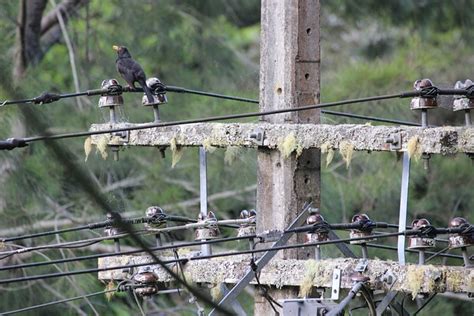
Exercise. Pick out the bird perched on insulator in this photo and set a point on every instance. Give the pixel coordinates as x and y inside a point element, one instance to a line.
<point>131,71</point>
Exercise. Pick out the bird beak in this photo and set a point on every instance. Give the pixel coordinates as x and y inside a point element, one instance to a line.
<point>115,47</point>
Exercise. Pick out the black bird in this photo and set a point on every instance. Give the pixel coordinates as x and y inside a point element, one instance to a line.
<point>131,71</point>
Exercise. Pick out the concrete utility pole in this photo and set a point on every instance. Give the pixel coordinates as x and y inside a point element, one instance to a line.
<point>289,77</point>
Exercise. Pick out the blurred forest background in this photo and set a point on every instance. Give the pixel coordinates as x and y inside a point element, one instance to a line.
<point>369,47</point>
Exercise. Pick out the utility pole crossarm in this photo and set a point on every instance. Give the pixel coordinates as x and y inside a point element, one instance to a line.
<point>436,140</point>
<point>292,272</point>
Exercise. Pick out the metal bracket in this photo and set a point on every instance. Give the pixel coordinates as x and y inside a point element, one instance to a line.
<point>336,284</point>
<point>306,307</point>
<point>120,138</point>
<point>270,235</point>
<point>395,141</point>
<point>257,136</point>
<point>362,265</point>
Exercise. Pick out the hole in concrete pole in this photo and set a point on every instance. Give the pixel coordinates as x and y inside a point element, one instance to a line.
<point>279,91</point>
<point>306,76</point>
<point>308,31</point>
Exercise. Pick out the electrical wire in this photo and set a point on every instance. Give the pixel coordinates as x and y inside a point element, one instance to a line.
<point>224,254</point>
<point>369,118</point>
<point>71,244</point>
<point>47,233</point>
<point>66,300</point>
<point>437,254</point>
<point>103,224</point>
<point>184,260</point>
<point>117,289</point>
<point>22,142</point>
<point>49,97</point>
<point>413,250</point>
<point>81,243</point>
<point>90,241</point>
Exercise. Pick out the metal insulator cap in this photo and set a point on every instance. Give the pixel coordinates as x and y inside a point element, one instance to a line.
<point>157,215</point>
<point>154,83</point>
<point>360,233</point>
<point>110,100</point>
<point>422,83</point>
<point>249,215</point>
<point>415,242</point>
<point>314,218</point>
<point>457,221</point>
<point>154,211</point>
<point>461,102</point>
<point>420,103</point>
<point>244,214</point>
<point>419,223</point>
<point>460,240</point>
<point>145,278</point>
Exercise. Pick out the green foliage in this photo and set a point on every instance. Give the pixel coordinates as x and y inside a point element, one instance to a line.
<point>368,48</point>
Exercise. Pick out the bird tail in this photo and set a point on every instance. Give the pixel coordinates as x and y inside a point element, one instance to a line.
<point>147,91</point>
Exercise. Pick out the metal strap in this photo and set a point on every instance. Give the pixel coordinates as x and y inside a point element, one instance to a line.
<point>402,220</point>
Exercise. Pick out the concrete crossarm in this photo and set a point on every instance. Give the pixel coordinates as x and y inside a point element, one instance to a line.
<point>410,278</point>
<point>436,140</point>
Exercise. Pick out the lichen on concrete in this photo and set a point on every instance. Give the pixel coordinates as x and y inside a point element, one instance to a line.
<point>436,140</point>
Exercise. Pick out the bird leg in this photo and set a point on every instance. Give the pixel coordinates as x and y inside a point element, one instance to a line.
<point>131,86</point>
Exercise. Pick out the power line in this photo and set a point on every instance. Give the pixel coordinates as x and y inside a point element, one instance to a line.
<point>22,142</point>
<point>103,224</point>
<point>50,97</point>
<point>119,288</point>
<point>307,228</point>
<point>111,223</point>
<point>90,241</point>
<point>370,118</point>
<point>440,254</point>
<point>224,254</point>
<point>66,300</point>
<point>129,252</point>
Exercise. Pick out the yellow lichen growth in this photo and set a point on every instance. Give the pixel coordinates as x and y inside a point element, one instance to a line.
<point>187,277</point>
<point>102,145</point>
<point>368,124</point>
<point>288,145</point>
<point>176,152</point>
<point>216,292</point>
<point>2,245</point>
<point>311,272</point>
<point>299,150</point>
<point>109,287</point>
<point>414,148</point>
<point>231,154</point>
<point>207,144</point>
<point>327,149</point>
<point>456,280</point>
<point>346,149</point>
<point>415,276</point>
<point>183,251</point>
<point>87,147</point>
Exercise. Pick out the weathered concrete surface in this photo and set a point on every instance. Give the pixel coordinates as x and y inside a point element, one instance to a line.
<point>437,140</point>
<point>290,272</point>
